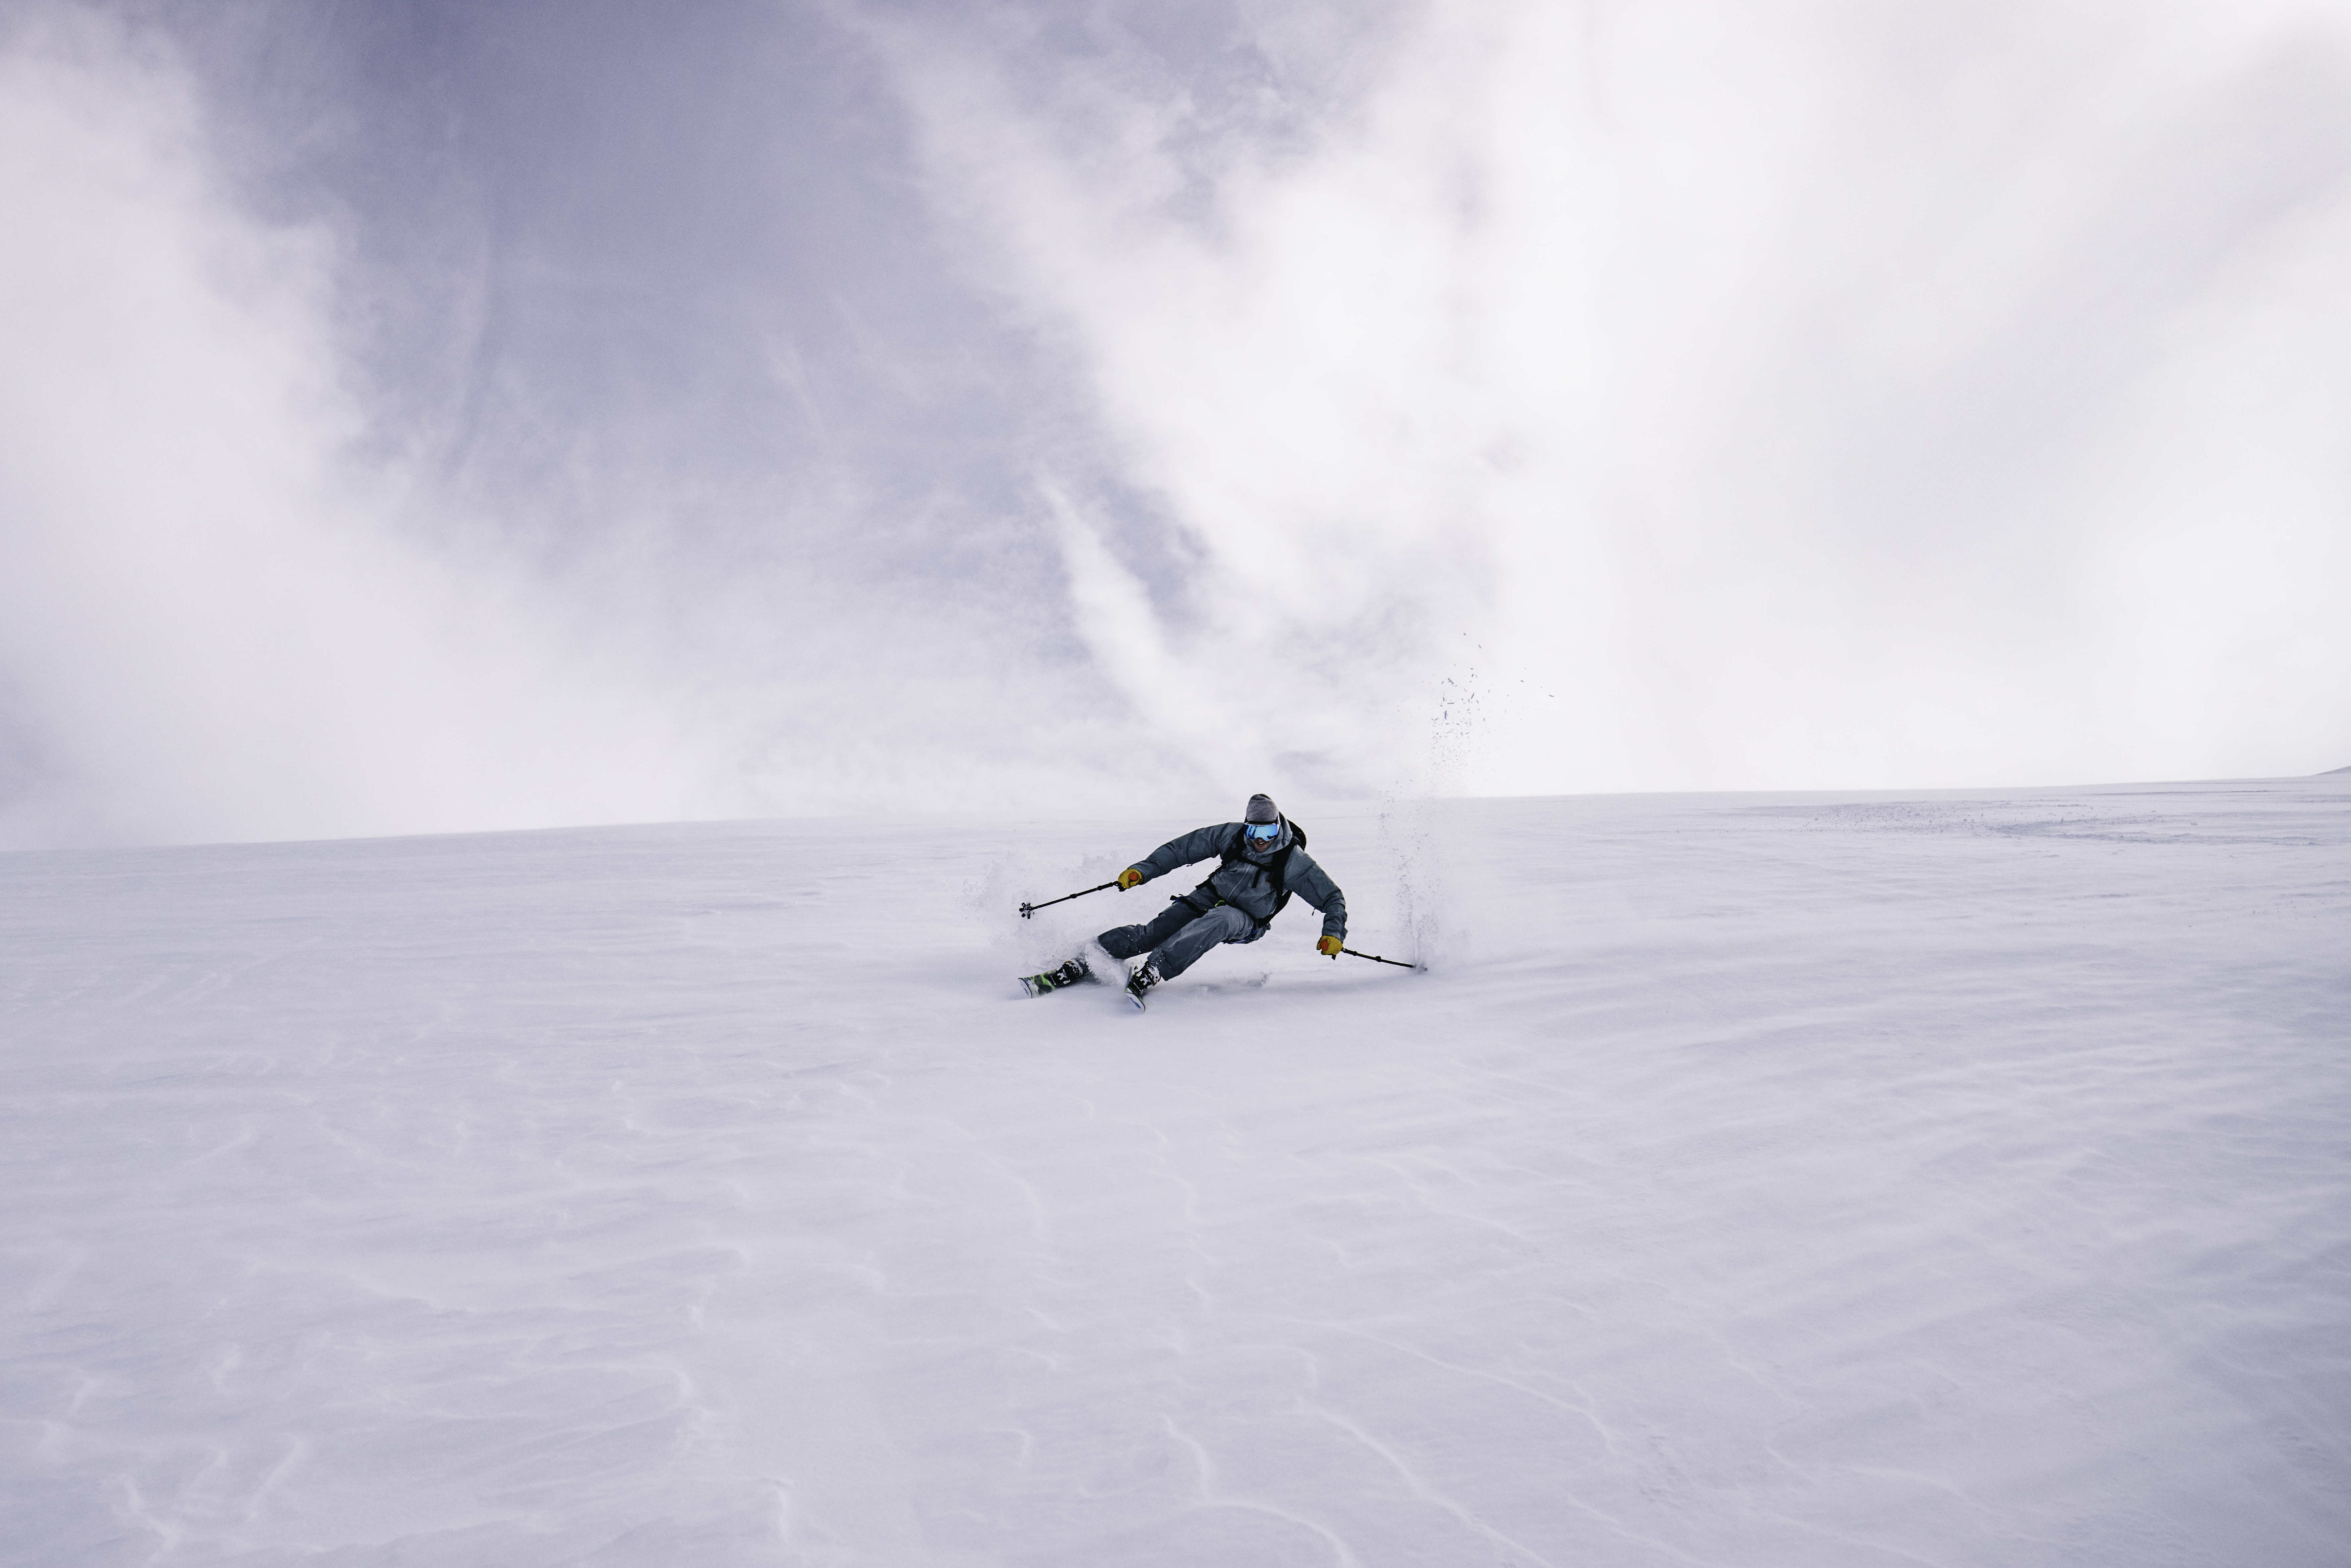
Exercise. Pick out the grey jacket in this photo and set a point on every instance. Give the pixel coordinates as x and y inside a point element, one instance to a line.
<point>1247,883</point>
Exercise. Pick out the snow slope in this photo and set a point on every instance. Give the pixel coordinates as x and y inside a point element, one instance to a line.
<point>1958,1179</point>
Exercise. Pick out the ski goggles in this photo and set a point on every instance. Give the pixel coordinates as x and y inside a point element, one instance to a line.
<point>1261,833</point>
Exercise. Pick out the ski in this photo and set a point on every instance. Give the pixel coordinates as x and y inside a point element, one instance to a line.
<point>1069,973</point>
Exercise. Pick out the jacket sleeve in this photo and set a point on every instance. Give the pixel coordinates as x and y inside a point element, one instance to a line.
<point>1200,844</point>
<point>1316,888</point>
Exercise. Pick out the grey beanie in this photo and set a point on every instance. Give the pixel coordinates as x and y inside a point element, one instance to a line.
<point>1260,809</point>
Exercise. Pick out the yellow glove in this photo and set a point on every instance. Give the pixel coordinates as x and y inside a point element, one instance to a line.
<point>1131,877</point>
<point>1328,945</point>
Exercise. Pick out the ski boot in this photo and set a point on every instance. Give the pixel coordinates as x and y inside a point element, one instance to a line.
<point>1145,976</point>
<point>1069,973</point>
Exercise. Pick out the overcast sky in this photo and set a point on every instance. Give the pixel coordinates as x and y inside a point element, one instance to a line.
<point>425,416</point>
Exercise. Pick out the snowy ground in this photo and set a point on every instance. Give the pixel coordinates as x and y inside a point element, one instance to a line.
<point>1960,1179</point>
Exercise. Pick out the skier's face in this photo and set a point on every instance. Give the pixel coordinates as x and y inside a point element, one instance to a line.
<point>1260,836</point>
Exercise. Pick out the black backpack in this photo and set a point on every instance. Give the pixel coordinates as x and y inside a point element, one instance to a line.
<point>1279,866</point>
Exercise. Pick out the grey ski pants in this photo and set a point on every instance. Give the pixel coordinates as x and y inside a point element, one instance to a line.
<point>1179,936</point>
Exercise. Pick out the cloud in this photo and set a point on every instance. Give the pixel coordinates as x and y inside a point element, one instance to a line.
<point>213,620</point>
<point>915,408</point>
<point>266,578</point>
<point>1805,394</point>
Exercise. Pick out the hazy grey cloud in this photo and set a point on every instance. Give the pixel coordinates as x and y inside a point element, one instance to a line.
<point>432,416</point>
<point>514,498</point>
<point>1793,394</point>
<point>209,621</point>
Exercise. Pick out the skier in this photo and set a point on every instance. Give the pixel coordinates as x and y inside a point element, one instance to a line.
<point>1264,861</point>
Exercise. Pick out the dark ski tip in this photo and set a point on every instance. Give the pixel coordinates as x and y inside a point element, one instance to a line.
<point>1069,973</point>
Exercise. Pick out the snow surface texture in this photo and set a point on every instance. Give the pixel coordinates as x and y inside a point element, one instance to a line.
<point>1755,1180</point>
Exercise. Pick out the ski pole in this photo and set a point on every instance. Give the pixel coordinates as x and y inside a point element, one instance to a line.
<point>1376,959</point>
<point>1028,909</point>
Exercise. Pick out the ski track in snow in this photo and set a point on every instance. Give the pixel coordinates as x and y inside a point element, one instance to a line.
<point>1951,1179</point>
